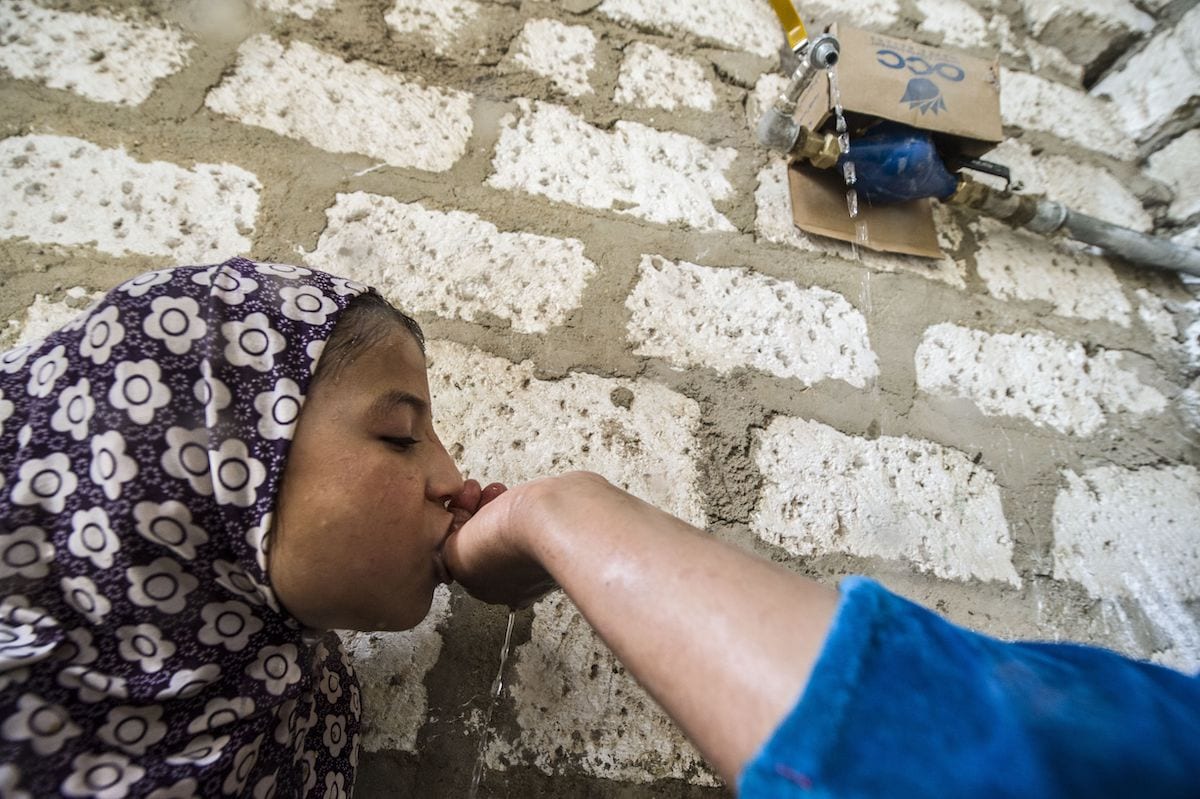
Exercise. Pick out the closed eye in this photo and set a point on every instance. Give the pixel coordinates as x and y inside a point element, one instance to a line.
<point>402,443</point>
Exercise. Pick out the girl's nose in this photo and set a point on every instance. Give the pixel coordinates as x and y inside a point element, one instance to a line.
<point>445,481</point>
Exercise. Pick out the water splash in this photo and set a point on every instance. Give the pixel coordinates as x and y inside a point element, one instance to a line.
<point>494,692</point>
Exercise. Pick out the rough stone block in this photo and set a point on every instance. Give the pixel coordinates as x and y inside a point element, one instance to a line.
<point>391,668</point>
<point>651,77</point>
<point>438,23</point>
<point>732,318</point>
<point>878,15</point>
<point>303,93</point>
<point>636,170</point>
<point>1178,165</point>
<point>565,54</point>
<point>1049,381</point>
<point>1160,80</point>
<point>642,437</point>
<point>738,24</point>
<point>305,9</point>
<point>638,434</point>
<point>1085,188</point>
<point>1086,29</point>
<point>1131,534</point>
<point>44,316</point>
<point>897,498</point>
<point>1024,266</point>
<point>63,190</point>
<point>577,708</point>
<point>958,22</point>
<point>1034,103</point>
<point>453,264</point>
<point>102,58</point>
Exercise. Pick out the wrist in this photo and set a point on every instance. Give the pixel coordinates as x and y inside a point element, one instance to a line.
<point>544,513</point>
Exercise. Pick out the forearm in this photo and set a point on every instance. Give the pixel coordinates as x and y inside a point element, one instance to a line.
<point>723,640</point>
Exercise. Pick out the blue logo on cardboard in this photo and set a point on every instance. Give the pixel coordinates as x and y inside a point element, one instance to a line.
<point>922,92</point>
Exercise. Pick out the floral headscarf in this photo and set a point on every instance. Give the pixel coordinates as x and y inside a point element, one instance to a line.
<point>142,652</point>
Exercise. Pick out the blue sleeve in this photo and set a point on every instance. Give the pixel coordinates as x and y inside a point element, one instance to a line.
<point>902,703</point>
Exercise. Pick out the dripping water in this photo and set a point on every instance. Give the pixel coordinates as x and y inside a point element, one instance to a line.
<point>850,178</point>
<point>849,174</point>
<point>494,693</point>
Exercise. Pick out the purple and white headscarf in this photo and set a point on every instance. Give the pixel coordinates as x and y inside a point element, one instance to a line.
<point>142,652</point>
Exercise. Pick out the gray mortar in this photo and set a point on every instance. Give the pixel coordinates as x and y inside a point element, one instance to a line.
<point>300,182</point>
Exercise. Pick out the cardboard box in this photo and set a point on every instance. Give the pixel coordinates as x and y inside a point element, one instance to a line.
<point>955,96</point>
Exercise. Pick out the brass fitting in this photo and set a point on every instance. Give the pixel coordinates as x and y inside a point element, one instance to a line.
<point>820,150</point>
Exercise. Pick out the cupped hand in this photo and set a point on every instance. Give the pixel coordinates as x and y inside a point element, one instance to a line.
<point>484,552</point>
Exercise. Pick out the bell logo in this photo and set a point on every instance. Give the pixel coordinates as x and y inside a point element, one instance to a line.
<point>922,92</point>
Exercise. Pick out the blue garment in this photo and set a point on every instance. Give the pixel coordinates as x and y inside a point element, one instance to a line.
<point>902,703</point>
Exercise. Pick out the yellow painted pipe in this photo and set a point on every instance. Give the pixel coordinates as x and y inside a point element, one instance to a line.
<point>790,19</point>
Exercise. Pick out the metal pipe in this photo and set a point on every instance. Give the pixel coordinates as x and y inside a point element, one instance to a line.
<point>778,128</point>
<point>1133,245</point>
<point>1046,216</point>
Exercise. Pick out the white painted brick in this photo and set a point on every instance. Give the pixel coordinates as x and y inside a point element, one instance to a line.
<point>651,77</point>
<point>63,190</point>
<point>894,498</point>
<point>391,668</point>
<point>438,23</point>
<point>1049,381</point>
<point>1178,165</point>
<point>1157,317</point>
<point>732,318</point>
<point>1134,534</point>
<point>1159,80</point>
<point>102,58</point>
<point>566,54</point>
<point>577,708</point>
<point>1034,103</point>
<point>1082,187</point>
<point>766,90</point>
<point>500,410</point>
<point>306,94</point>
<point>738,24</point>
<point>452,263</point>
<point>643,441</point>
<point>876,15</point>
<point>44,316</point>
<point>1024,266</point>
<point>773,222</point>
<point>305,9</point>
<point>1084,29</point>
<point>1188,238</point>
<point>636,170</point>
<point>958,22</point>
<point>1048,61</point>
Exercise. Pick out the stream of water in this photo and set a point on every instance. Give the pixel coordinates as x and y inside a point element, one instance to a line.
<point>849,175</point>
<point>495,692</point>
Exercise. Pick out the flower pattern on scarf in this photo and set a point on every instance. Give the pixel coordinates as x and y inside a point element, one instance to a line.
<point>142,651</point>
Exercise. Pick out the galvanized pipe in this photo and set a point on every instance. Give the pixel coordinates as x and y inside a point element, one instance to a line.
<point>777,129</point>
<point>1046,216</point>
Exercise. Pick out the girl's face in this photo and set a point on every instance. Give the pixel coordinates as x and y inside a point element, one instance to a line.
<point>361,513</point>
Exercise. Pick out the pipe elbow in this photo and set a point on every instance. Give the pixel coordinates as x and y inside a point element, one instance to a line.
<point>778,131</point>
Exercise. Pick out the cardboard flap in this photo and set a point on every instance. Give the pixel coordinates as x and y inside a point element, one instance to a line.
<point>819,206</point>
<point>930,88</point>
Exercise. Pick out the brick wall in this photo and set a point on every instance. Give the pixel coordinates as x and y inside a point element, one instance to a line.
<point>570,198</point>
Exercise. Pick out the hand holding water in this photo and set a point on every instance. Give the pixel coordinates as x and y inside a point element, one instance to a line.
<point>485,551</point>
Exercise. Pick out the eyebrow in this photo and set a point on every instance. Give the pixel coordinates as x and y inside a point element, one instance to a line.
<point>390,401</point>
